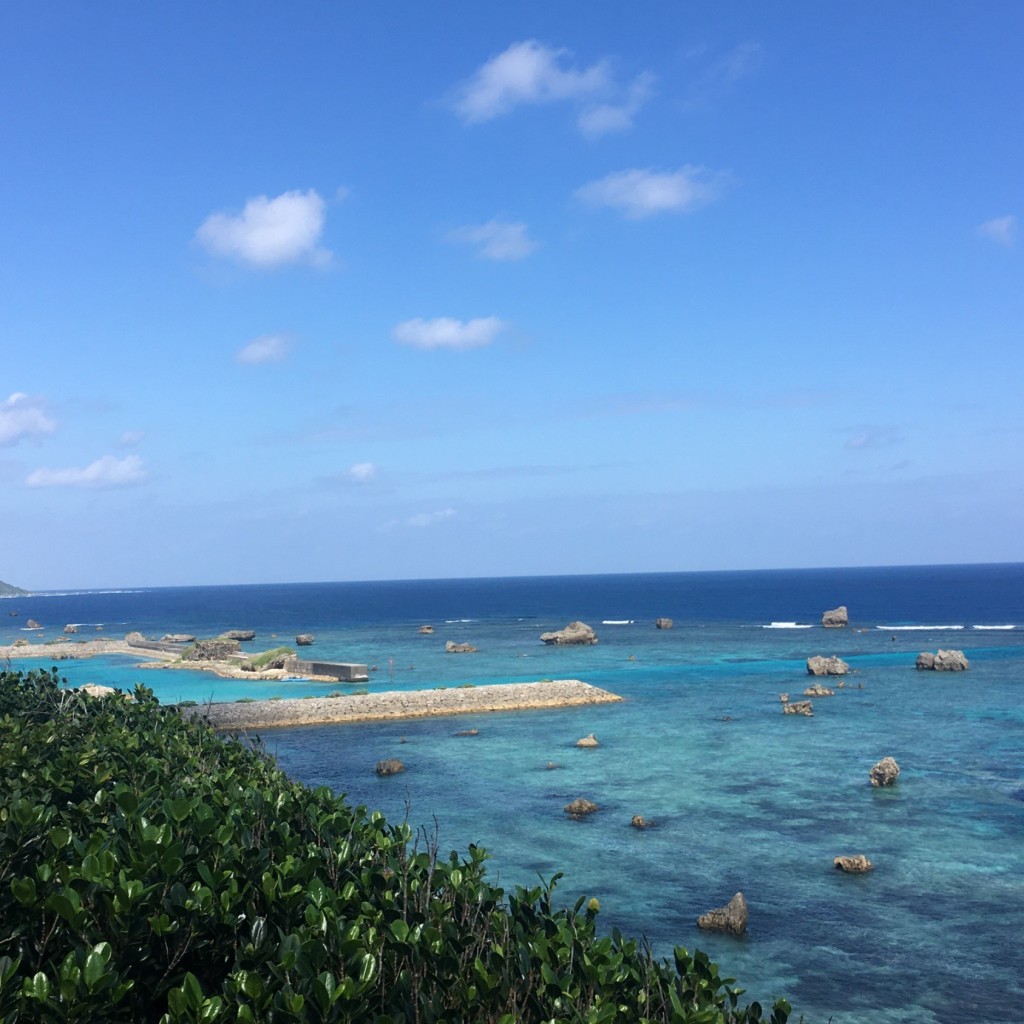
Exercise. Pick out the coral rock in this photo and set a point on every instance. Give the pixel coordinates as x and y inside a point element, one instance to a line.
<point>390,766</point>
<point>819,666</point>
<point>885,772</point>
<point>732,918</point>
<point>588,741</point>
<point>856,865</point>
<point>835,618</point>
<point>574,633</point>
<point>580,807</point>
<point>943,661</point>
<point>799,707</point>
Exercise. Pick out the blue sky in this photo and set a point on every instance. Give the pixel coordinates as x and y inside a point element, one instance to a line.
<point>337,291</point>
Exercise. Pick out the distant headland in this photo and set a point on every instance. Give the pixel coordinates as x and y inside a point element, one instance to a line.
<point>6,590</point>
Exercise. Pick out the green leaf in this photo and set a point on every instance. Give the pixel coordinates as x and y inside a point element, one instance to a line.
<point>367,968</point>
<point>24,890</point>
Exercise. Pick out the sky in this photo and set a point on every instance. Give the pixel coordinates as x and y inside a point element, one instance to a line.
<point>340,291</point>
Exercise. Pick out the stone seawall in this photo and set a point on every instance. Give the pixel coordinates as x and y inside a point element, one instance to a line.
<point>401,704</point>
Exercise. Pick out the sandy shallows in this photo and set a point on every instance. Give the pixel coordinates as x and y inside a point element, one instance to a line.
<point>558,693</point>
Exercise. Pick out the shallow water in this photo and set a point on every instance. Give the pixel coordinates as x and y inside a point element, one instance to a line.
<point>744,798</point>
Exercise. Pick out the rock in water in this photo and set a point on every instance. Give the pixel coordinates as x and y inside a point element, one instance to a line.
<point>32,624</point>
<point>663,623</point>
<point>835,618</point>
<point>819,666</point>
<point>574,633</point>
<point>390,766</point>
<point>71,628</point>
<point>885,773</point>
<point>732,918</point>
<point>453,648</point>
<point>856,865</point>
<point>639,821</point>
<point>943,661</point>
<point>580,807</point>
<point>799,707</point>
<point>426,630</point>
<point>239,634</point>
<point>817,690</point>
<point>588,741</point>
<point>305,639</point>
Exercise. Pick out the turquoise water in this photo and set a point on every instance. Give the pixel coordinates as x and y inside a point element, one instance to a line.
<point>744,798</point>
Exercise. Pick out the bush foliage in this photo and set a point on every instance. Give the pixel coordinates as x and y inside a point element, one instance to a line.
<point>151,870</point>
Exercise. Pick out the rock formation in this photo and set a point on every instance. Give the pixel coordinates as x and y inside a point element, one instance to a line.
<point>835,618</point>
<point>453,648</point>
<point>210,650</point>
<point>817,690</point>
<point>95,690</point>
<point>885,772</point>
<point>177,638</point>
<point>732,918</point>
<point>239,634</point>
<point>580,807</point>
<point>819,666</point>
<point>426,629</point>
<point>32,624</point>
<point>588,741</point>
<point>943,661</point>
<point>71,628</point>
<point>855,865</point>
<point>468,732</point>
<point>799,707</point>
<point>639,821</point>
<point>389,766</point>
<point>574,633</point>
<point>663,623</point>
<point>305,639</point>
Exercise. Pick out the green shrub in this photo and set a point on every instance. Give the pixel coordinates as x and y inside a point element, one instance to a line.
<point>151,870</point>
<point>260,661</point>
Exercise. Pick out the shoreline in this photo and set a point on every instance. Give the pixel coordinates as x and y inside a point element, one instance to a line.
<point>401,704</point>
<point>81,650</point>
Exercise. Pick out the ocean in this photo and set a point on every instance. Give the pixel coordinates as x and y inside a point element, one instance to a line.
<point>743,798</point>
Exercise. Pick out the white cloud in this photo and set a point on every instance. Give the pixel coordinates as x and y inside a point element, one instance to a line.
<point>602,118</point>
<point>446,332</point>
<point>497,239</point>
<point>104,472</point>
<point>643,193</point>
<point>267,348</point>
<point>424,519</point>
<point>1001,230</point>
<point>269,232</point>
<point>21,417</point>
<point>527,72</point>
<point>361,472</point>
<point>130,438</point>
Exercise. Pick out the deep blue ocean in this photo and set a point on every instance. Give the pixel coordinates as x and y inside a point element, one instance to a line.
<point>744,797</point>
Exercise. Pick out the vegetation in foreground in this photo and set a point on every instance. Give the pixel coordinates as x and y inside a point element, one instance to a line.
<point>151,870</point>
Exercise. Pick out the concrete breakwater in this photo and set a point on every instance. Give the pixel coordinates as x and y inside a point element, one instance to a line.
<point>402,704</point>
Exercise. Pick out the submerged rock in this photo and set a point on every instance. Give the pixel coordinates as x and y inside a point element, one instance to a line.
<point>581,807</point>
<point>819,666</point>
<point>732,918</point>
<point>468,732</point>
<point>817,690</point>
<point>574,633</point>
<point>835,617</point>
<point>639,821</point>
<point>856,865</point>
<point>389,766</point>
<point>943,661</point>
<point>799,707</point>
<point>885,772</point>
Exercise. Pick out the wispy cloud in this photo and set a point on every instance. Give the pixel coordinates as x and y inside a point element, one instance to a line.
<point>105,472</point>
<point>1001,230</point>
<point>269,232</point>
<point>425,519</point>
<point>644,193</point>
<point>446,332</point>
<point>498,240</point>
<point>23,417</point>
<point>267,348</point>
<point>531,73</point>
<point>872,436</point>
<point>721,73</point>
<point>130,438</point>
<point>361,472</point>
<point>603,118</point>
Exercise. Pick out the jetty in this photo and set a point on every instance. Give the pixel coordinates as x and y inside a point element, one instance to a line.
<point>398,704</point>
